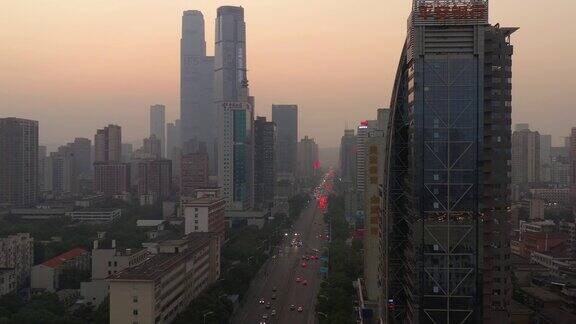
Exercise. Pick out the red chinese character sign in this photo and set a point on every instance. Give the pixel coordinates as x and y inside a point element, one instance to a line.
<point>441,10</point>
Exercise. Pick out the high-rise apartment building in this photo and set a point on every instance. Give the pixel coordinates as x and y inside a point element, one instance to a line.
<point>545,157</point>
<point>108,144</point>
<point>525,157</point>
<point>286,119</point>
<point>18,162</point>
<point>158,126</point>
<point>446,194</point>
<point>194,172</point>
<point>264,162</point>
<point>308,163</point>
<point>197,112</point>
<point>17,252</point>
<point>82,156</point>
<point>155,179</point>
<point>111,176</point>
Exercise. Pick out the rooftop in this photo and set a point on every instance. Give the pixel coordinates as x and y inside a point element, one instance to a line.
<point>66,256</point>
<point>202,201</point>
<point>162,263</point>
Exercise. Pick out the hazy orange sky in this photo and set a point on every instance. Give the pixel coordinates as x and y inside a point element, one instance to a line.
<point>78,65</point>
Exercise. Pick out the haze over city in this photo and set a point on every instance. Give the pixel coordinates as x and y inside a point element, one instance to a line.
<point>75,66</point>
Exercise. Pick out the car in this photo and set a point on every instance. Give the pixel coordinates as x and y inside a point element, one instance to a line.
<point>265,316</point>
<point>274,297</point>
<point>268,305</point>
<point>274,289</point>
<point>261,301</point>
<point>292,307</point>
<point>304,265</point>
<point>298,279</point>
<point>273,312</point>
<point>300,309</point>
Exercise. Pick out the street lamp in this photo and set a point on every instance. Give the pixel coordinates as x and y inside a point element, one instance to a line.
<point>204,316</point>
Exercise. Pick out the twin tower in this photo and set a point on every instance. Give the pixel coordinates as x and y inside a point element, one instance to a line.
<point>215,106</point>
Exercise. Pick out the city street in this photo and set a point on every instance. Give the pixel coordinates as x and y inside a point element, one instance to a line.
<point>282,272</point>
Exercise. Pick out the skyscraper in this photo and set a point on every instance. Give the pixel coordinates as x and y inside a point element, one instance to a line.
<point>230,61</point>
<point>308,163</point>
<point>235,114</point>
<point>111,177</point>
<point>264,168</point>
<point>82,158</point>
<point>545,157</point>
<point>286,119</point>
<point>18,162</point>
<point>108,144</point>
<point>197,112</point>
<point>525,157</point>
<point>158,125</point>
<point>446,190</point>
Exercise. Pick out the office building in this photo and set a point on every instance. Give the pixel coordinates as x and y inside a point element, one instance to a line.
<point>348,156</point>
<point>155,179</point>
<point>235,115</point>
<point>158,126</point>
<point>525,157</point>
<point>286,119</point>
<point>108,144</point>
<point>308,163</point>
<point>375,146</point>
<point>264,162</point>
<point>450,139</point>
<point>17,253</point>
<point>204,215</point>
<point>18,162</point>
<point>234,150</point>
<point>194,173</point>
<point>180,272</point>
<point>365,127</point>
<point>197,113</point>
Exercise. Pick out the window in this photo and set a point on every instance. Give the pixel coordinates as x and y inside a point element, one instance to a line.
<point>135,299</point>
<point>436,177</point>
<point>196,227</point>
<point>135,312</point>
<point>115,263</point>
<point>109,263</point>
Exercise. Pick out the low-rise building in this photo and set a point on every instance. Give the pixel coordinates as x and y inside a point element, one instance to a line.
<point>17,252</point>
<point>536,209</point>
<point>556,265</point>
<point>108,260</point>
<point>48,274</point>
<point>157,290</point>
<point>7,281</point>
<point>238,218</point>
<point>96,216</point>
<point>40,212</point>
<point>204,215</point>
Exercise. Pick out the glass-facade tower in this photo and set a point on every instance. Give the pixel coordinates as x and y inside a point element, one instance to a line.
<point>434,197</point>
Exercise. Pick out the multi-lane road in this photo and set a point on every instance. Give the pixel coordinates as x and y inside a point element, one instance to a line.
<point>281,273</point>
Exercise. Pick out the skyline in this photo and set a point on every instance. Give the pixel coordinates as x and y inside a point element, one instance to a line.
<point>115,71</point>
